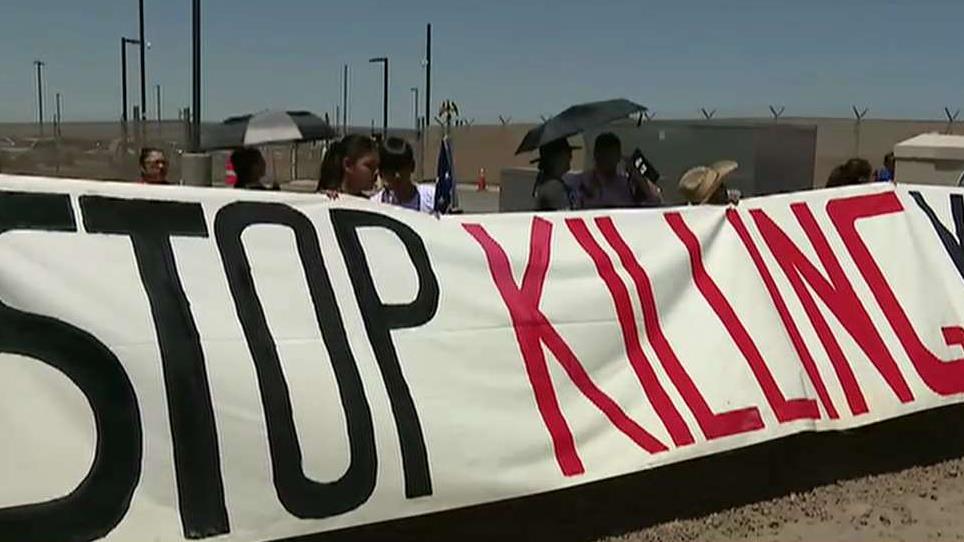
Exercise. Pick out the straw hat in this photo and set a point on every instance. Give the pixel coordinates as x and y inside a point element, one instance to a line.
<point>700,183</point>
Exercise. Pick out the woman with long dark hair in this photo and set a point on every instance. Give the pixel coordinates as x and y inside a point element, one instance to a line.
<point>249,168</point>
<point>350,166</point>
<point>551,193</point>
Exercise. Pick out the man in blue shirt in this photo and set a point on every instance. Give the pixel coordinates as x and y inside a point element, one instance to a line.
<point>887,173</point>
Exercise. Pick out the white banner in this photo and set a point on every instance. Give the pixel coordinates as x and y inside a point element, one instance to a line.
<point>182,364</point>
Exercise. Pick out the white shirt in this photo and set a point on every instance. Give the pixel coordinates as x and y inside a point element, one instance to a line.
<point>423,201</point>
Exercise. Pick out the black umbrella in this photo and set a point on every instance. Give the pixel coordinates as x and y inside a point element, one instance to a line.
<point>576,120</point>
<point>268,127</point>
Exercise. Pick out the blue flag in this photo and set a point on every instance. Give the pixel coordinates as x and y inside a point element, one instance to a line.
<point>445,182</point>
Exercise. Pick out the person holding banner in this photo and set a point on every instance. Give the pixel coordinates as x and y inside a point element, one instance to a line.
<point>611,184</point>
<point>551,193</point>
<point>396,166</point>
<point>350,166</point>
<point>153,166</point>
<point>249,168</point>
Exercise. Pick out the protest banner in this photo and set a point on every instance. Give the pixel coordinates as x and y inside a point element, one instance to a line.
<point>183,364</point>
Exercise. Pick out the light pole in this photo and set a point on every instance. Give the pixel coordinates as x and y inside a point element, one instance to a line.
<point>418,127</point>
<point>196,76</point>
<point>384,61</point>
<point>427,63</point>
<point>143,45</point>
<point>157,105</point>
<point>57,131</point>
<point>124,43</point>
<point>344,101</point>
<point>196,171</point>
<point>428,76</point>
<point>40,93</point>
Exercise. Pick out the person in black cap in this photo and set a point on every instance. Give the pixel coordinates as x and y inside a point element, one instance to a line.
<point>551,193</point>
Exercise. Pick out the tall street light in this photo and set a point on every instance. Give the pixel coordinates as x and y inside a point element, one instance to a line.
<point>40,93</point>
<point>143,45</point>
<point>427,64</point>
<point>157,105</point>
<point>384,61</point>
<point>344,101</point>
<point>124,43</point>
<point>58,118</point>
<point>418,127</point>
<point>428,76</point>
<point>196,75</point>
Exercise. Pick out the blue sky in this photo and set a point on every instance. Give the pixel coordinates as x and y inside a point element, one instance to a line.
<point>521,59</point>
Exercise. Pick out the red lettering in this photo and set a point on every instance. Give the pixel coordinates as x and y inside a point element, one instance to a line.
<point>634,350</point>
<point>785,410</point>
<point>839,296</point>
<point>713,425</point>
<point>944,378</point>
<point>533,329</point>
<point>806,359</point>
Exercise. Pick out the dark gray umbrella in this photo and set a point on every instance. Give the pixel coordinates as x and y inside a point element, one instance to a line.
<point>576,120</point>
<point>268,127</point>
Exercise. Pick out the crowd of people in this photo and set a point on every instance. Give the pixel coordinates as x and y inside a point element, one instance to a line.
<point>354,165</point>
<point>351,166</point>
<point>617,182</point>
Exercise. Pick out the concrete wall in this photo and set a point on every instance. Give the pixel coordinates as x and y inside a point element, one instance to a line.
<point>773,158</point>
<point>493,147</point>
<point>939,172</point>
<point>840,139</point>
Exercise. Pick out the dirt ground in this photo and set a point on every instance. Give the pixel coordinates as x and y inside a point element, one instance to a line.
<point>921,503</point>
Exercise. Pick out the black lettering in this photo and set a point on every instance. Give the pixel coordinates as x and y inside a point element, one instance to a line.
<point>99,503</point>
<point>299,495</point>
<point>952,245</point>
<point>381,319</point>
<point>150,226</point>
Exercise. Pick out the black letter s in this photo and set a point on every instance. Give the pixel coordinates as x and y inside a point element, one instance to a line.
<point>99,503</point>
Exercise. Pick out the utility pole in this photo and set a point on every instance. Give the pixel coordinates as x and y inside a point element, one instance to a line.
<point>40,93</point>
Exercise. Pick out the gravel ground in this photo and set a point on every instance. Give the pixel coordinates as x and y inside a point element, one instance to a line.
<point>920,503</point>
